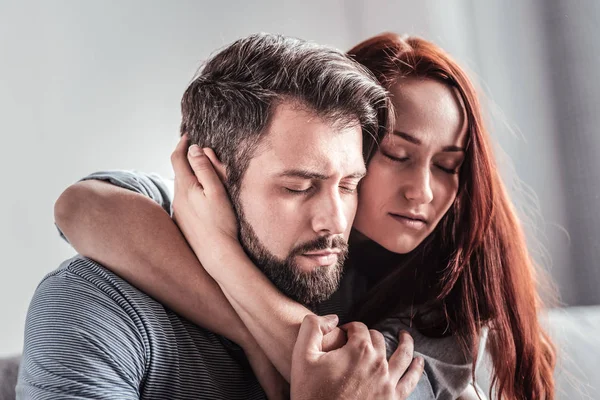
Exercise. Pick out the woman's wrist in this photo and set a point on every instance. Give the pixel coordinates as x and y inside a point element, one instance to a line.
<point>223,261</point>
<point>249,344</point>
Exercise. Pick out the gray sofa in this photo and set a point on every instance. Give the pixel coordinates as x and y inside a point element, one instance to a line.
<point>574,331</point>
<point>9,368</point>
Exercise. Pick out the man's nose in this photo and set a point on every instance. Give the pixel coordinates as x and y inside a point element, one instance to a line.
<point>330,215</point>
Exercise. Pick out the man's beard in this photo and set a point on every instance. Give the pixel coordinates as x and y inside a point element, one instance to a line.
<point>307,288</point>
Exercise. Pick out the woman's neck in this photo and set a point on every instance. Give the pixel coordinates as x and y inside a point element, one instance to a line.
<point>371,259</point>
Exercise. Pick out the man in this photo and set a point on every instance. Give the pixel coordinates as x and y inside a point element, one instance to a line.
<point>280,113</point>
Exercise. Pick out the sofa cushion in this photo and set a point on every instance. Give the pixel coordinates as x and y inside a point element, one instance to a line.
<point>9,369</point>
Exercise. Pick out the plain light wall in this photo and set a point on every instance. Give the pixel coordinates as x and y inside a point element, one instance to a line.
<point>88,86</point>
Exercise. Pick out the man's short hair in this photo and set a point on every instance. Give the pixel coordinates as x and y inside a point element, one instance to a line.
<point>228,105</point>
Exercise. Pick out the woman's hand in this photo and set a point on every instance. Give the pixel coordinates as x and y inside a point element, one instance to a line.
<point>201,206</point>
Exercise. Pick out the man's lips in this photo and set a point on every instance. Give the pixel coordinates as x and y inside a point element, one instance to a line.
<point>323,257</point>
<point>325,252</point>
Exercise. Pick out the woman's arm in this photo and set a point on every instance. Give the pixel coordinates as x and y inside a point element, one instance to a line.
<point>133,236</point>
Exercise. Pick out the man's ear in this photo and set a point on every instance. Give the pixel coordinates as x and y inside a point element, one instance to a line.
<point>219,166</point>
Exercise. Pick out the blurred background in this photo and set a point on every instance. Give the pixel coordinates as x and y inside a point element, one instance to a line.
<point>93,85</point>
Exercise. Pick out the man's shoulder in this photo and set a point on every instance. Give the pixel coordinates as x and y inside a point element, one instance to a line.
<point>80,268</point>
<point>93,296</point>
<point>148,184</point>
<point>81,285</point>
<point>79,325</point>
<point>81,272</point>
<point>88,327</point>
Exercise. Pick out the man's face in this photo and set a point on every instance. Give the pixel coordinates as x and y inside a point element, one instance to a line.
<point>297,201</point>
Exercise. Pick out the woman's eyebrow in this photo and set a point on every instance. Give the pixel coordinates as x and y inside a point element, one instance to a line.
<point>454,149</point>
<point>407,137</point>
<point>410,138</point>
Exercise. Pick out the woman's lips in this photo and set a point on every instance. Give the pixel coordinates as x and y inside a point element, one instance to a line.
<point>413,223</point>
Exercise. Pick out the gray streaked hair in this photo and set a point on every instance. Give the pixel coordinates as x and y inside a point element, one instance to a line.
<point>228,105</point>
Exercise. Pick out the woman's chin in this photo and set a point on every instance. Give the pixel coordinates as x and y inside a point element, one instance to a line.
<point>400,247</point>
<point>399,244</point>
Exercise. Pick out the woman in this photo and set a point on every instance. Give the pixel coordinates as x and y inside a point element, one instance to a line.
<point>436,242</point>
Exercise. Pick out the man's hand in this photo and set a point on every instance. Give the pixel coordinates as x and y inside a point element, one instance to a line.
<point>357,370</point>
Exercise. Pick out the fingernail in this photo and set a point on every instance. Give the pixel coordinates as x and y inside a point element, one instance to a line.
<point>195,150</point>
<point>420,360</point>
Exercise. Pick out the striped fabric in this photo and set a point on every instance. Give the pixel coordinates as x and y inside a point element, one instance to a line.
<point>91,335</point>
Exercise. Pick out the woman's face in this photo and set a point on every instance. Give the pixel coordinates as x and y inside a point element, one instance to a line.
<point>412,179</point>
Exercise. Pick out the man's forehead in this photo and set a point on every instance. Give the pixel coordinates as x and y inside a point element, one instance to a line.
<point>312,162</point>
<point>297,139</point>
<point>287,116</point>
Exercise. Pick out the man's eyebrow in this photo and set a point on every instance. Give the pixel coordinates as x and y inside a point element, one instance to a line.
<point>307,174</point>
<point>356,175</point>
<point>302,173</point>
<point>414,140</point>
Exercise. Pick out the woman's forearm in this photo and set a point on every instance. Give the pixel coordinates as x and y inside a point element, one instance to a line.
<point>134,237</point>
<point>272,318</point>
<point>262,308</point>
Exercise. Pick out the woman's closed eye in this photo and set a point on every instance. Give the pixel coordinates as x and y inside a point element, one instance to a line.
<point>394,157</point>
<point>451,171</point>
<point>449,165</point>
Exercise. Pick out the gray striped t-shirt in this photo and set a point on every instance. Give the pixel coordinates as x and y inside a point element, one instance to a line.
<point>91,335</point>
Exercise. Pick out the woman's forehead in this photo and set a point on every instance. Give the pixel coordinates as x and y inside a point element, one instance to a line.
<point>429,110</point>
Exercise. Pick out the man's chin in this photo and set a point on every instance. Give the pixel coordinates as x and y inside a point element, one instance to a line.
<point>312,298</point>
<point>316,285</point>
<point>307,287</point>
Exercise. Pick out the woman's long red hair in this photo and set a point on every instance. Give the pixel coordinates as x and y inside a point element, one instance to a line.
<point>483,276</point>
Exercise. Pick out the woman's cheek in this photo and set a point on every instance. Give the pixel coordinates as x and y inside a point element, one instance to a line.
<point>446,194</point>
